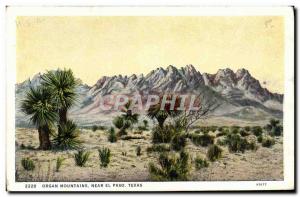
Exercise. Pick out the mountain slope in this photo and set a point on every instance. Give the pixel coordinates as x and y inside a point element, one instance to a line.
<point>237,92</point>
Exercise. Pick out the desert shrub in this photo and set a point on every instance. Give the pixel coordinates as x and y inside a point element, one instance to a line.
<point>112,137</point>
<point>59,163</point>
<point>202,140</point>
<point>221,142</point>
<point>158,148</point>
<point>178,142</point>
<point>247,128</point>
<point>244,133</point>
<point>236,143</point>
<point>223,132</point>
<point>197,132</point>
<point>220,129</point>
<point>201,163</point>
<point>277,131</point>
<point>94,128</point>
<point>235,129</point>
<point>214,152</point>
<point>163,134</point>
<point>274,128</point>
<point>268,142</point>
<point>212,128</point>
<point>28,164</point>
<point>68,137</point>
<point>260,139</point>
<point>138,151</point>
<point>81,157</point>
<point>170,168</point>
<point>252,146</point>
<point>104,156</point>
<point>124,153</point>
<point>257,130</point>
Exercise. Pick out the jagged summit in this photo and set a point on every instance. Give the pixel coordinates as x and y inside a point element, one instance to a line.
<point>233,89</point>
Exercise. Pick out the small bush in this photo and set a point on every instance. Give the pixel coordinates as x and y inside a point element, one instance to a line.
<point>112,137</point>
<point>212,128</point>
<point>252,146</point>
<point>277,131</point>
<point>28,164</point>
<point>170,168</point>
<point>104,156</point>
<point>138,151</point>
<point>257,130</point>
<point>158,148</point>
<point>260,139</point>
<point>235,129</point>
<point>178,142</point>
<point>268,142</point>
<point>201,163</point>
<point>94,128</point>
<point>221,142</point>
<point>223,132</point>
<point>214,152</point>
<point>202,140</point>
<point>124,153</point>
<point>247,128</point>
<point>163,134</point>
<point>236,143</point>
<point>59,163</point>
<point>244,133</point>
<point>81,157</point>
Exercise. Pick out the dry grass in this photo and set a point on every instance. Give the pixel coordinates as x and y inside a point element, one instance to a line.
<point>264,164</point>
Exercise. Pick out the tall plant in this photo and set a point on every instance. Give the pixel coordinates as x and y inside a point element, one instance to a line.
<point>38,104</point>
<point>62,85</point>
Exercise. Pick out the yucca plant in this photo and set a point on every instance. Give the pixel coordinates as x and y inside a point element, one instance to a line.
<point>39,105</point>
<point>28,164</point>
<point>59,163</point>
<point>155,111</point>
<point>214,152</point>
<point>170,168</point>
<point>104,156</point>
<point>68,137</point>
<point>122,125</point>
<point>81,157</point>
<point>62,85</point>
<point>112,137</point>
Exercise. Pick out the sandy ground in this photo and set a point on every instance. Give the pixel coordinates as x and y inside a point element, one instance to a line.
<point>264,164</point>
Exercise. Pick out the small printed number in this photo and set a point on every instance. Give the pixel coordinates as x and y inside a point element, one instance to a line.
<point>261,184</point>
<point>30,185</point>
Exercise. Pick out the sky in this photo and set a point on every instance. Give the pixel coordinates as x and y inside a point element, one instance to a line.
<point>95,46</point>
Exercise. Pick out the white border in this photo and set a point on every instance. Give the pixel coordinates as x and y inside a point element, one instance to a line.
<point>288,144</point>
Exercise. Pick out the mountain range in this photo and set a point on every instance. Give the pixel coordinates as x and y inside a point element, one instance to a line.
<point>241,95</point>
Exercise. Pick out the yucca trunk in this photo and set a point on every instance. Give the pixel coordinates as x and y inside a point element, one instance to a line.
<point>44,137</point>
<point>62,118</point>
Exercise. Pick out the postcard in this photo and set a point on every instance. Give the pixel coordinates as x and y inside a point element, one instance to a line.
<point>149,99</point>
